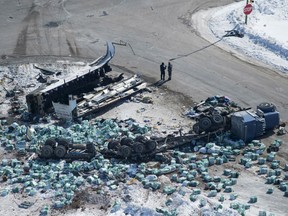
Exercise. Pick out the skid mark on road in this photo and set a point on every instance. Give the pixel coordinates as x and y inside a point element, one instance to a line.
<point>46,30</point>
<point>71,48</point>
<point>21,45</point>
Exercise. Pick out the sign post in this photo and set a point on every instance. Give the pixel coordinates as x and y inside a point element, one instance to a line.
<point>247,10</point>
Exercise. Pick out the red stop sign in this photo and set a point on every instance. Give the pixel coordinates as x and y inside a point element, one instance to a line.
<point>247,9</point>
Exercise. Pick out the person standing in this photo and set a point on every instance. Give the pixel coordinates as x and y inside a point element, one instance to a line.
<point>170,66</point>
<point>162,71</point>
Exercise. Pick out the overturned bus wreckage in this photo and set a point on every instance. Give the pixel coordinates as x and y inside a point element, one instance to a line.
<point>40,100</point>
<point>91,102</point>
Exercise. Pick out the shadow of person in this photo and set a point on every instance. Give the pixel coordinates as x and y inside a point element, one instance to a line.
<point>160,82</point>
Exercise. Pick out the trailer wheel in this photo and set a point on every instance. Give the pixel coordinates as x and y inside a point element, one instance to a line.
<point>139,147</point>
<point>124,151</point>
<point>113,144</point>
<point>63,142</point>
<point>60,151</point>
<point>47,151</point>
<point>218,119</point>
<point>126,141</point>
<point>268,150</point>
<point>196,128</point>
<point>205,123</point>
<point>274,149</point>
<point>151,145</point>
<point>141,139</point>
<point>51,142</point>
<point>90,148</point>
<point>266,107</point>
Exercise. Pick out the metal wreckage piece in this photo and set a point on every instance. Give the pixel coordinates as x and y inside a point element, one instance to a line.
<point>243,124</point>
<point>84,92</point>
<point>140,148</point>
<point>40,100</point>
<point>103,96</point>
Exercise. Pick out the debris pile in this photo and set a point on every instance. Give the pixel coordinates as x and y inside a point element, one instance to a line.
<point>220,104</point>
<point>175,174</point>
<point>98,131</point>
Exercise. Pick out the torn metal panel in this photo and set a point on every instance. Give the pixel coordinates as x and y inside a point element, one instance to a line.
<point>45,71</point>
<point>104,59</point>
<point>93,67</point>
<point>65,111</point>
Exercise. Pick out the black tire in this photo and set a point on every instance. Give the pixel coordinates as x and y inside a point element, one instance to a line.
<point>138,147</point>
<point>217,119</point>
<point>47,151</point>
<point>274,149</point>
<point>91,148</point>
<point>60,151</point>
<point>268,150</point>
<point>215,112</point>
<point>124,151</point>
<point>205,123</point>
<point>50,142</point>
<point>141,139</point>
<point>126,141</point>
<point>63,142</point>
<point>196,128</point>
<point>266,107</point>
<point>114,144</point>
<point>151,145</point>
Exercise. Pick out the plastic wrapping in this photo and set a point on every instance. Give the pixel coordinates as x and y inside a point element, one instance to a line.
<point>261,160</point>
<point>221,198</point>
<point>196,191</point>
<point>193,197</point>
<point>203,202</point>
<point>271,180</point>
<point>253,199</point>
<point>233,196</point>
<point>228,189</point>
<point>271,156</point>
<point>212,193</point>
<point>227,172</point>
<point>45,211</point>
<point>270,190</point>
<point>274,165</point>
<point>263,169</point>
<point>168,189</point>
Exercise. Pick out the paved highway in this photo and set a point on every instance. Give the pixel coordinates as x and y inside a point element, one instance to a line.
<point>154,31</point>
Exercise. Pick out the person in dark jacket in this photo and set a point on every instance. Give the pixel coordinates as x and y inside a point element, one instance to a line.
<point>170,66</point>
<point>162,71</point>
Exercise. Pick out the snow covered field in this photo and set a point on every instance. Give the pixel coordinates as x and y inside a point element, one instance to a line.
<point>265,35</point>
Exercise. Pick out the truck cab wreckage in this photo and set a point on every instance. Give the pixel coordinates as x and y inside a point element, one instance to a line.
<point>244,124</point>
